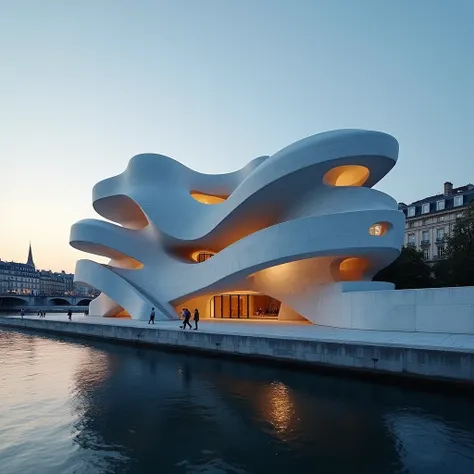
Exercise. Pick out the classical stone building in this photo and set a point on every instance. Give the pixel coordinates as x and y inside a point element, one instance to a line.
<point>20,278</point>
<point>25,279</point>
<point>56,283</point>
<point>430,220</point>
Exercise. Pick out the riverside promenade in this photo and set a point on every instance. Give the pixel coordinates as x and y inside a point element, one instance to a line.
<point>428,356</point>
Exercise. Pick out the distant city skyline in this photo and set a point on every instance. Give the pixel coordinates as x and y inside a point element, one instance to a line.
<point>87,85</point>
<point>29,258</point>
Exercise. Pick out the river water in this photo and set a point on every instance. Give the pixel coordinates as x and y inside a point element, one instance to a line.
<point>71,406</point>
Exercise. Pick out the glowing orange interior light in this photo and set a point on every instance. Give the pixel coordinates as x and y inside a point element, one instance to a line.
<point>378,229</point>
<point>207,198</point>
<point>202,255</point>
<point>347,175</point>
<point>352,269</point>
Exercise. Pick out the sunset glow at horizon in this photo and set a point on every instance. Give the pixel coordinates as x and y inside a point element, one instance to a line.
<point>85,86</point>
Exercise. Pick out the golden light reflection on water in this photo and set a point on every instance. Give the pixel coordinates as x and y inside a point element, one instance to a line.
<point>281,408</point>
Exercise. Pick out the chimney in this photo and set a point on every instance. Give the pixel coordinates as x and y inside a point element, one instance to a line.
<point>448,188</point>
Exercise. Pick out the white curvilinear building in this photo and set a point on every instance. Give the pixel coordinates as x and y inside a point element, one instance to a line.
<point>279,238</point>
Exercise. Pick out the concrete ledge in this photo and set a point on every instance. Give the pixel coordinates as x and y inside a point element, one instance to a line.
<point>454,365</point>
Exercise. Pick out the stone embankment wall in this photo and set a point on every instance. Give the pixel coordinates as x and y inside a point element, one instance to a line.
<point>432,363</point>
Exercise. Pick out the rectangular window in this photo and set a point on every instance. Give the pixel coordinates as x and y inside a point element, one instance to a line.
<point>411,211</point>
<point>440,234</point>
<point>425,209</point>
<point>226,306</point>
<point>426,236</point>
<point>217,306</point>
<point>411,238</point>
<point>441,252</point>
<point>440,205</point>
<point>426,254</point>
<point>458,200</point>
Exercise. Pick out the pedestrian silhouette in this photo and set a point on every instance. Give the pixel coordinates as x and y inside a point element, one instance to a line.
<point>196,319</point>
<point>152,316</point>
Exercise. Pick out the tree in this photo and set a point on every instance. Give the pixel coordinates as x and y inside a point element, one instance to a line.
<point>408,271</point>
<point>457,269</point>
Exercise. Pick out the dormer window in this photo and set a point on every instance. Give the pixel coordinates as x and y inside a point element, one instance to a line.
<point>458,200</point>
<point>425,209</point>
<point>440,205</point>
<point>411,211</point>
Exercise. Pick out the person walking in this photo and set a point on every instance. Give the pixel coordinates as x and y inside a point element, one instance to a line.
<point>22,313</point>
<point>196,319</point>
<point>187,317</point>
<point>152,316</point>
<point>69,315</point>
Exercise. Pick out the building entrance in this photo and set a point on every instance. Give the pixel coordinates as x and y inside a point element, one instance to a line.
<point>244,306</point>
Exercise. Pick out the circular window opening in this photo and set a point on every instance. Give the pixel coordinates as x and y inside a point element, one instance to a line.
<point>379,229</point>
<point>352,269</point>
<point>347,175</point>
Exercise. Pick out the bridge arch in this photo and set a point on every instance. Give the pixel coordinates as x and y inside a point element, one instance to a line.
<point>84,302</point>
<point>11,301</point>
<point>59,301</point>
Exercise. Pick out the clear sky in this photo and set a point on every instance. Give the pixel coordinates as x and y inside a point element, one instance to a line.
<point>85,85</point>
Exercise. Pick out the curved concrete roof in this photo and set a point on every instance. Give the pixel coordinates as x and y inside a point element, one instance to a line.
<point>278,209</point>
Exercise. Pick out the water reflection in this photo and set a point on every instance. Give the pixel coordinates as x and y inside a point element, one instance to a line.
<point>428,441</point>
<point>277,397</point>
<point>101,408</point>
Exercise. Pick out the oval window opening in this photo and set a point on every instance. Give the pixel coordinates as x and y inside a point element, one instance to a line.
<point>202,255</point>
<point>352,269</point>
<point>207,198</point>
<point>379,229</point>
<point>347,175</point>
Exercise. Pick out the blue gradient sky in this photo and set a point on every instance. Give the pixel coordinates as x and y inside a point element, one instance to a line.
<point>214,83</point>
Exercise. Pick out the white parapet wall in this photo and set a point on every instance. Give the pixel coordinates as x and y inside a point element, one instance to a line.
<point>444,310</point>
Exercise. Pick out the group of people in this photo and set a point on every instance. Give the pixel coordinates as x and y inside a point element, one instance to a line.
<point>267,311</point>
<point>42,314</point>
<point>185,314</point>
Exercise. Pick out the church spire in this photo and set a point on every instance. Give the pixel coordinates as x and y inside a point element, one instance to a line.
<point>30,257</point>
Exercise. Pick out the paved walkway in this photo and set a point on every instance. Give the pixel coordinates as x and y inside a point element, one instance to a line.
<point>296,330</point>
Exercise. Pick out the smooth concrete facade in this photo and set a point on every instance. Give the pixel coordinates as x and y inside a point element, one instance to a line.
<point>425,359</point>
<point>429,310</point>
<point>289,226</point>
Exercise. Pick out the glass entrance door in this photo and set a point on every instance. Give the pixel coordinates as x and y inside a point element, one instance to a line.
<point>230,306</point>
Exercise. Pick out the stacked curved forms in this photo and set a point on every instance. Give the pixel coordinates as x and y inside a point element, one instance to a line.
<point>293,226</point>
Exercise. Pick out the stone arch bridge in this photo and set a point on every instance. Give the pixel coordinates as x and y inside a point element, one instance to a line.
<point>13,301</point>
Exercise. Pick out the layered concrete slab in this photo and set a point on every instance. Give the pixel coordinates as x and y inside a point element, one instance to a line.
<point>288,226</point>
